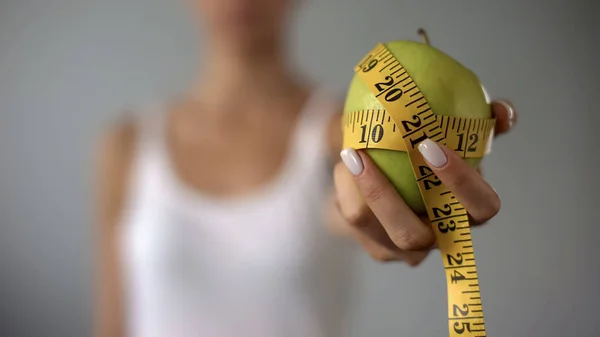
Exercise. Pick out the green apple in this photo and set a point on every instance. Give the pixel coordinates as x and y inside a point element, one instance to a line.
<point>450,89</point>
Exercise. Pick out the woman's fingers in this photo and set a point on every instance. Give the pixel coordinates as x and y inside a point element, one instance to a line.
<point>474,193</point>
<point>505,114</point>
<point>383,253</point>
<point>364,225</point>
<point>402,226</point>
<point>376,250</point>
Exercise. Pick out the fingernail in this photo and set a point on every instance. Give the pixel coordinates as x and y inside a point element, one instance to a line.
<point>432,153</point>
<point>511,111</point>
<point>352,161</point>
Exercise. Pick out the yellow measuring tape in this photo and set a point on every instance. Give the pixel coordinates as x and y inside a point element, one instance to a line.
<point>376,129</point>
<point>406,121</point>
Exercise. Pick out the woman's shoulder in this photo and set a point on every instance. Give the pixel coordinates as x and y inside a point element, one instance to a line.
<point>116,145</point>
<point>118,138</point>
<point>113,156</point>
<point>115,152</point>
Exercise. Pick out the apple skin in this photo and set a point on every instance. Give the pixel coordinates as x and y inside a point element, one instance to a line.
<point>450,89</point>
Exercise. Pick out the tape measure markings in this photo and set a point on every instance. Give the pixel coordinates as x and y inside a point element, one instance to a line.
<point>424,111</point>
<point>387,136</point>
<point>370,127</point>
<point>401,68</point>
<point>394,67</point>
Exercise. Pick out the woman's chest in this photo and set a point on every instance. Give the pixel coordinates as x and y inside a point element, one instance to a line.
<point>267,242</point>
<point>225,162</point>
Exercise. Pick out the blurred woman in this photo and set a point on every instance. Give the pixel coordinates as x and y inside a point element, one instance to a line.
<point>211,205</point>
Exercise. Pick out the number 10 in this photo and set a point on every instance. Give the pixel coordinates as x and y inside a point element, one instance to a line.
<point>376,133</point>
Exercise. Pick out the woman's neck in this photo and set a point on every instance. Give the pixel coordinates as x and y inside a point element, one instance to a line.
<point>233,76</point>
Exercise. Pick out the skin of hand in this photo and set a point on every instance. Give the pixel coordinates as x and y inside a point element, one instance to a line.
<point>373,213</point>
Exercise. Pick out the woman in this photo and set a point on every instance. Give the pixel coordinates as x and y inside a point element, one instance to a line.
<point>210,205</point>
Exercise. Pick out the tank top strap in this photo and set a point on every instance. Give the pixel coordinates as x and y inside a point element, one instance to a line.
<point>150,123</point>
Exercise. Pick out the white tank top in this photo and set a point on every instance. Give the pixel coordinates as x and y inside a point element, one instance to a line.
<point>257,266</point>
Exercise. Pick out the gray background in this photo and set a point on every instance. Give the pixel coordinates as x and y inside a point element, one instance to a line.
<point>67,67</point>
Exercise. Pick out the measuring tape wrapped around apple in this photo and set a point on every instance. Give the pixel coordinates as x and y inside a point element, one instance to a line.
<point>404,92</point>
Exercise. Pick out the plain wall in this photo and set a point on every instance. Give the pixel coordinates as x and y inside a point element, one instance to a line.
<point>69,67</point>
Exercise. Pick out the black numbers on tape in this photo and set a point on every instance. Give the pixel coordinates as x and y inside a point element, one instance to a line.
<point>429,184</point>
<point>444,227</point>
<point>392,95</point>
<point>474,138</point>
<point>365,60</point>
<point>458,259</point>
<point>415,141</point>
<point>472,147</point>
<point>460,327</point>
<point>425,171</point>
<point>364,133</point>
<point>457,276</point>
<point>381,86</point>
<point>376,133</point>
<point>461,141</point>
<point>447,210</point>
<point>410,126</point>
<point>369,66</point>
<point>463,312</point>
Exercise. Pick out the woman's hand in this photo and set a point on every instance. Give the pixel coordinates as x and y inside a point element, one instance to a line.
<point>379,219</point>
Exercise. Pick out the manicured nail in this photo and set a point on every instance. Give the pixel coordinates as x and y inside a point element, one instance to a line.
<point>511,111</point>
<point>432,153</point>
<point>352,161</point>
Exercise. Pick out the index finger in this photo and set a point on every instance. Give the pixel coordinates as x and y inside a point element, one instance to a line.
<point>473,192</point>
<point>403,226</point>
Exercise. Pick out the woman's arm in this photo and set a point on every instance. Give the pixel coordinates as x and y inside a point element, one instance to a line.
<point>113,157</point>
